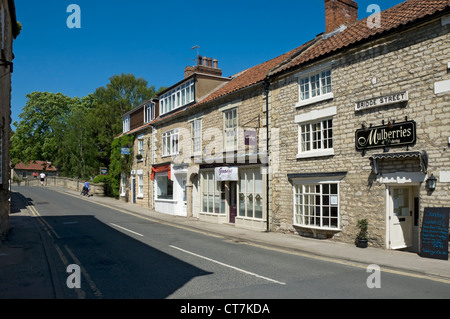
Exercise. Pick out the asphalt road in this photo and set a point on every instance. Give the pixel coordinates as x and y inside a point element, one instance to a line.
<point>130,257</point>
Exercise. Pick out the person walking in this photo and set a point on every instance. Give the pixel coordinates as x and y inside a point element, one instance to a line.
<point>42,176</point>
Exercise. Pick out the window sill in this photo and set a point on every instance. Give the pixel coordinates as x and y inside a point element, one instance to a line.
<point>166,200</point>
<point>212,214</point>
<point>316,99</point>
<point>169,155</point>
<point>318,228</point>
<point>327,152</point>
<point>256,219</point>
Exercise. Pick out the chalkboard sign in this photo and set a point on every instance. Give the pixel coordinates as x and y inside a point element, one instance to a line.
<point>435,233</point>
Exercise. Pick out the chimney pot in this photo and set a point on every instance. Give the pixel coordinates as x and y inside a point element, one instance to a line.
<point>215,63</point>
<point>209,60</point>
<point>340,12</point>
<point>204,60</point>
<point>199,60</point>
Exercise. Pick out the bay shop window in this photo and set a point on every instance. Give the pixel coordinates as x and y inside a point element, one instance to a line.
<point>249,192</point>
<point>316,205</point>
<point>213,194</point>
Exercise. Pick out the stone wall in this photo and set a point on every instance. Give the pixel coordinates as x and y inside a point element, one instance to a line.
<point>5,120</point>
<point>97,189</point>
<point>410,61</point>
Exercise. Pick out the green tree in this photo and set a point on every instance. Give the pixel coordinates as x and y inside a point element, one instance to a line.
<point>123,93</point>
<point>119,163</point>
<point>77,156</point>
<point>34,138</point>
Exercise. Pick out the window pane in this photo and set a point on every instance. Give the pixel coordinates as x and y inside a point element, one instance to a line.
<point>315,86</point>
<point>304,89</point>
<point>326,81</point>
<point>210,203</point>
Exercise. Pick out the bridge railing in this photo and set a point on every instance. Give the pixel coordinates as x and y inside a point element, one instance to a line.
<point>97,189</point>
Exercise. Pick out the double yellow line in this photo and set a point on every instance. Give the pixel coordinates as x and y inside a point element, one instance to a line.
<point>51,232</point>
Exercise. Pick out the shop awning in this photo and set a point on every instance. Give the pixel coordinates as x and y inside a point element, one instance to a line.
<point>160,169</point>
<point>422,156</point>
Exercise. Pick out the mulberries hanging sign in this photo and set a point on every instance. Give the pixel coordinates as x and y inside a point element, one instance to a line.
<point>390,135</point>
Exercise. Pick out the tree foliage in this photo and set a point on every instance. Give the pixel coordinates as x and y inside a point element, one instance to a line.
<point>78,134</point>
<point>35,137</point>
<point>123,93</point>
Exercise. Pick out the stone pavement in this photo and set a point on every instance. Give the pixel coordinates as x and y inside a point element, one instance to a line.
<point>25,271</point>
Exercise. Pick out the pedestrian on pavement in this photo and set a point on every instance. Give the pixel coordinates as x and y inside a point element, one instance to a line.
<point>42,175</point>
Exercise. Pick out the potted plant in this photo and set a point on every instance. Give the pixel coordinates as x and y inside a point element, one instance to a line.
<point>361,239</point>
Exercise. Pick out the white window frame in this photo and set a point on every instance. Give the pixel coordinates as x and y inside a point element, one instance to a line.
<point>307,81</point>
<point>168,182</point>
<point>149,112</point>
<point>310,211</point>
<point>311,119</point>
<point>140,184</point>
<point>126,124</point>
<point>140,147</point>
<point>177,97</point>
<point>216,194</point>
<point>123,184</point>
<point>170,143</point>
<point>233,128</point>
<point>196,136</point>
<point>247,194</point>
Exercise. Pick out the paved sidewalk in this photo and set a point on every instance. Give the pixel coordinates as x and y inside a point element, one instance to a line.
<point>404,262</point>
<point>24,268</point>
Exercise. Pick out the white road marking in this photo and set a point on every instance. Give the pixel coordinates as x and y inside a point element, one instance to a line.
<point>229,266</point>
<point>126,229</point>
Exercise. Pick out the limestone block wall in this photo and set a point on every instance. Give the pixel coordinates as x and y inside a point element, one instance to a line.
<point>412,61</point>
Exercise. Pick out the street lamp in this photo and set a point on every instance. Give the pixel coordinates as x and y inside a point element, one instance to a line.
<point>431,183</point>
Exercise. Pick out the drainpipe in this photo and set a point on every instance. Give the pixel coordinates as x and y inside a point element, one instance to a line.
<point>266,93</point>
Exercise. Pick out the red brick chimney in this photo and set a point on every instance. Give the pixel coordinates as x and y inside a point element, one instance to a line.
<point>204,65</point>
<point>340,12</point>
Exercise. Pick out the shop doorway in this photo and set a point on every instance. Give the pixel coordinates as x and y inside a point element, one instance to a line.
<point>402,213</point>
<point>133,189</point>
<point>233,202</point>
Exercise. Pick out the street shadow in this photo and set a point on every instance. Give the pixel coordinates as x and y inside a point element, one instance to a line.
<point>114,264</point>
<point>119,265</point>
<point>17,204</point>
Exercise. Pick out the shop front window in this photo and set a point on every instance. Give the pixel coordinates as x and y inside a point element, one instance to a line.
<point>251,193</point>
<point>316,205</point>
<point>164,187</point>
<point>212,194</point>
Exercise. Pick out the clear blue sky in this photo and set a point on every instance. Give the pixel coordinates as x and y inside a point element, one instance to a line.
<point>153,39</point>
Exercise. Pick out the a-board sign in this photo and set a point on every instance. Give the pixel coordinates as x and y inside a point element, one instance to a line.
<point>434,235</point>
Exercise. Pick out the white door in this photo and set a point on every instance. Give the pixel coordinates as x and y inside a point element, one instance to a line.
<point>400,217</point>
<point>180,197</point>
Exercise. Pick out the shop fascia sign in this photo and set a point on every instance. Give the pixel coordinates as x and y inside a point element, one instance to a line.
<point>226,173</point>
<point>382,101</point>
<point>390,135</point>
